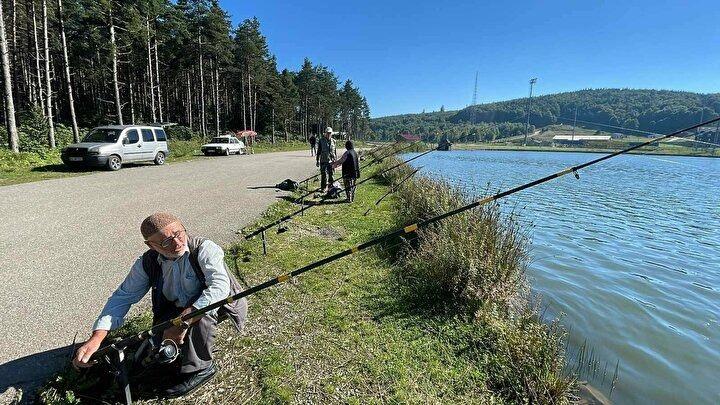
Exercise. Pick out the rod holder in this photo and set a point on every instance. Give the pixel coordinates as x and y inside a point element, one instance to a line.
<point>264,242</point>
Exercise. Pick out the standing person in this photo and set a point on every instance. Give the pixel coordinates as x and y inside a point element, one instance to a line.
<point>312,144</point>
<point>350,170</point>
<point>324,157</point>
<point>185,273</point>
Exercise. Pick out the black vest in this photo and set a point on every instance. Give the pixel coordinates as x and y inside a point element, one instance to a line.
<point>164,310</point>
<point>351,165</point>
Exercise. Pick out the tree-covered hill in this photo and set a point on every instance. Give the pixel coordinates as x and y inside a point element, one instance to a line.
<point>658,111</point>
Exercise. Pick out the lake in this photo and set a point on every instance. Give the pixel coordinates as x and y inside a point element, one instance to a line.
<point>628,256</point>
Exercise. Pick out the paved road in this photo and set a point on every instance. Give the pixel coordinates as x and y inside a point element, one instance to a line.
<point>66,244</point>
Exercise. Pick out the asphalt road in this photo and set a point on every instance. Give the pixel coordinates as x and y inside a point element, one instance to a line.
<point>66,244</point>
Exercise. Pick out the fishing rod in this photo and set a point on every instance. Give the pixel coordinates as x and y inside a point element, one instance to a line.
<point>393,188</point>
<point>304,208</point>
<point>261,230</point>
<point>633,130</point>
<point>368,164</point>
<point>159,328</point>
<point>370,152</point>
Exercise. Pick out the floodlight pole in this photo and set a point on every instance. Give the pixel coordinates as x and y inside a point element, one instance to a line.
<point>527,124</point>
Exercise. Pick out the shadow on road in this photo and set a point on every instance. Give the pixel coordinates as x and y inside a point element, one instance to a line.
<point>28,373</point>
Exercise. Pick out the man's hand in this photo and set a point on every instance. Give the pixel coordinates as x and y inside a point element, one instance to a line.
<point>83,354</point>
<point>175,333</point>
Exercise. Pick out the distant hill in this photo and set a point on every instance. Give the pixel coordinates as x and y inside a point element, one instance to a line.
<point>659,111</point>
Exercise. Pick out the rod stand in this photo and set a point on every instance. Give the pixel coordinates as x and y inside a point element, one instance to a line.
<point>264,242</point>
<point>116,360</point>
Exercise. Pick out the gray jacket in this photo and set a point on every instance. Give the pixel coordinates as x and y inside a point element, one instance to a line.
<point>326,150</point>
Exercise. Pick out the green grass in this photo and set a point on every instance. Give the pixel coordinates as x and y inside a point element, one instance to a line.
<point>353,332</point>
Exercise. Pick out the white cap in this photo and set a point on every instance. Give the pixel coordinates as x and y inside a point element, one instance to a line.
<point>328,129</point>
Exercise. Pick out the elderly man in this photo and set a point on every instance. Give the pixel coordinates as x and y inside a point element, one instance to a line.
<point>324,158</point>
<point>185,274</point>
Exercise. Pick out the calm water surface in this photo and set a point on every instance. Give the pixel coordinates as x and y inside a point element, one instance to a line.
<point>629,256</point>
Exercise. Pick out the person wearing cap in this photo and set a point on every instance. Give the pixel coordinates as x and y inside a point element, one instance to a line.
<point>186,274</point>
<point>350,170</point>
<point>324,158</point>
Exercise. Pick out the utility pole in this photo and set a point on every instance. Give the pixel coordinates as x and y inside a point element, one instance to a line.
<point>527,124</point>
<point>474,102</point>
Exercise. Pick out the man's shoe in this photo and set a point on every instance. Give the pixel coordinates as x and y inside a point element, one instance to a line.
<point>189,382</point>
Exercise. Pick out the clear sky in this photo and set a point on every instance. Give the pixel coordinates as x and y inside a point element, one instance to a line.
<point>410,55</point>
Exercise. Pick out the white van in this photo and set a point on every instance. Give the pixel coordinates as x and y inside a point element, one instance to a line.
<point>113,145</point>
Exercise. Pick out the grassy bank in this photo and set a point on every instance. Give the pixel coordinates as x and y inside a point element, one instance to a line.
<point>441,317</point>
<point>26,167</point>
<point>665,150</point>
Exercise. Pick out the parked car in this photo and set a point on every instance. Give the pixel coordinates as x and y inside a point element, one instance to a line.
<point>223,145</point>
<point>111,146</point>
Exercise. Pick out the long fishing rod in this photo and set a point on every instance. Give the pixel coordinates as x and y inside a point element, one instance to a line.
<point>376,150</point>
<point>392,189</point>
<point>366,165</point>
<point>325,198</point>
<point>632,129</point>
<point>405,230</point>
<point>159,328</point>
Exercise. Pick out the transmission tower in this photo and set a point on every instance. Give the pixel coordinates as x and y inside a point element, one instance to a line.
<point>475,91</point>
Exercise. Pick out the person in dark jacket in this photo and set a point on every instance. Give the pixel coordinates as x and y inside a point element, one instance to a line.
<point>350,170</point>
<point>312,141</point>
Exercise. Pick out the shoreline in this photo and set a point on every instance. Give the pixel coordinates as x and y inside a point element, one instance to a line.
<point>358,318</point>
<point>470,147</point>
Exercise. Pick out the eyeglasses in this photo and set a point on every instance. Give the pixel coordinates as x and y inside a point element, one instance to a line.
<point>169,240</point>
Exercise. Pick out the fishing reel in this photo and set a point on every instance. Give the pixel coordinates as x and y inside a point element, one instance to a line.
<point>165,353</point>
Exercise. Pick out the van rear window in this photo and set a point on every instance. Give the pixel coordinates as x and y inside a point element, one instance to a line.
<point>147,135</point>
<point>160,135</point>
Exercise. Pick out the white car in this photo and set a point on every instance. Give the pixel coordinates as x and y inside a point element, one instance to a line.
<point>223,145</point>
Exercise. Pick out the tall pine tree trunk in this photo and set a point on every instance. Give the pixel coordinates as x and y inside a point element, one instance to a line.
<point>116,85</point>
<point>217,99</point>
<point>38,75</point>
<point>150,70</point>
<point>48,86</point>
<point>132,100</point>
<point>272,136</point>
<point>157,80</point>
<point>203,129</point>
<point>13,141</point>
<point>242,91</point>
<point>66,60</point>
<point>189,102</point>
<point>249,103</point>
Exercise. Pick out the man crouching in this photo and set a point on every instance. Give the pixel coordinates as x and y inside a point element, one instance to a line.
<point>185,274</point>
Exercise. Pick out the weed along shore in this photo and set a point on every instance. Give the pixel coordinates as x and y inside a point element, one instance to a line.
<point>440,315</point>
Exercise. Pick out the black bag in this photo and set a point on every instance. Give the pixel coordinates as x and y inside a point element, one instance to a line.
<point>287,185</point>
<point>235,311</point>
<point>334,191</point>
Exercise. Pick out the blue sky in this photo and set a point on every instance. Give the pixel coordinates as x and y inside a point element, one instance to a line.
<point>407,56</point>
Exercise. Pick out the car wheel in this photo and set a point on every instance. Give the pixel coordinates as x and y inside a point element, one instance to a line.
<point>159,158</point>
<point>227,152</point>
<point>114,163</point>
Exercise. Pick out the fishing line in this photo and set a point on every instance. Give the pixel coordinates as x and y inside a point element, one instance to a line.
<point>637,130</point>
<point>122,344</point>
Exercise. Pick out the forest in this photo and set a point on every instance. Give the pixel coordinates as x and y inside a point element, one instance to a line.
<point>658,111</point>
<point>72,64</point>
